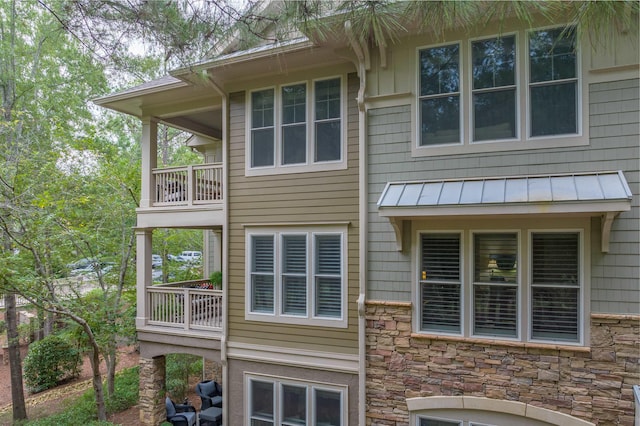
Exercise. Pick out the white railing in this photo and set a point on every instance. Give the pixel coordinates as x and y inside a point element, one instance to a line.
<point>184,307</point>
<point>188,185</point>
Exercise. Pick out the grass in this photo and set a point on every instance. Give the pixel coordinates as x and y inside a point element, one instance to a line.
<point>82,410</point>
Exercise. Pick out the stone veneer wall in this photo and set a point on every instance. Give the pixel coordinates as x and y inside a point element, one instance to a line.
<point>152,391</point>
<point>594,385</point>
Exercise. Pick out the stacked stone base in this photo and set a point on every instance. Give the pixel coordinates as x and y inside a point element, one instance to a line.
<point>592,384</point>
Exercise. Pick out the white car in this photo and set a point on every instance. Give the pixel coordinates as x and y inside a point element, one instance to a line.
<point>190,256</point>
<point>156,261</point>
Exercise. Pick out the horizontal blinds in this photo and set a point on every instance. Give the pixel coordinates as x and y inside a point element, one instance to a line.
<point>294,276</point>
<point>495,310</point>
<point>555,286</point>
<point>328,275</point>
<point>440,282</point>
<point>262,279</point>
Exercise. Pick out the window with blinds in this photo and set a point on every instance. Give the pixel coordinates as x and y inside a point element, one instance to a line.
<point>555,286</point>
<point>495,286</point>
<point>440,283</point>
<point>297,276</point>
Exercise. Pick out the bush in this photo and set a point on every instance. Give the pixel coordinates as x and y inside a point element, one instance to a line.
<point>50,361</point>
<point>180,367</point>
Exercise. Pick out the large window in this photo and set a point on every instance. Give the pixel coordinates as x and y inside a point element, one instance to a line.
<point>296,126</point>
<point>517,86</point>
<point>499,287</point>
<point>297,275</point>
<point>276,401</point>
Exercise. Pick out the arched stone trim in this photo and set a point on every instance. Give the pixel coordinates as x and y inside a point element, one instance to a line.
<point>494,405</point>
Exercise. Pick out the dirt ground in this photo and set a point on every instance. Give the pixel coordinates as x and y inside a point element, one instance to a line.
<point>44,403</point>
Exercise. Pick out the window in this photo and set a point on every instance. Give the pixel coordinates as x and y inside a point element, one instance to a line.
<point>276,401</point>
<point>494,88</point>
<point>524,80</point>
<point>297,276</point>
<point>495,292</point>
<point>553,82</point>
<point>440,95</point>
<point>428,421</point>
<point>296,127</point>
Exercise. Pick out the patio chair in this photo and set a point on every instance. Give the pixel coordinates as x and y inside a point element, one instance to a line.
<point>210,393</point>
<point>180,414</point>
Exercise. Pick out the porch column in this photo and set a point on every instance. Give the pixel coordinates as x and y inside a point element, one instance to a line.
<point>149,145</point>
<point>152,391</point>
<point>144,273</point>
<point>213,252</point>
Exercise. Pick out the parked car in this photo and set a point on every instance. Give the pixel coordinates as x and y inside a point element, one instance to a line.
<point>93,268</point>
<point>190,256</point>
<point>156,261</point>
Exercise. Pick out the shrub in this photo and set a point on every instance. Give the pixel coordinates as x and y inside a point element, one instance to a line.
<point>179,368</point>
<point>50,361</point>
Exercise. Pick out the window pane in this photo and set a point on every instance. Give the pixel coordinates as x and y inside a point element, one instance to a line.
<point>327,99</point>
<point>328,297</point>
<point>554,109</point>
<point>261,403</point>
<point>440,120</point>
<point>494,62</point>
<point>328,141</point>
<point>262,147</point>
<point>294,144</point>
<point>440,307</point>
<point>262,109</point>
<point>262,291</point>
<point>328,280</point>
<point>440,282</point>
<point>495,304</point>
<point>555,258</point>
<point>495,310</point>
<point>552,54</point>
<point>328,406</point>
<point>555,272</point>
<point>441,257</point>
<point>294,279</point>
<point>494,115</point>
<point>294,405</point>
<point>294,106</point>
<point>439,70</point>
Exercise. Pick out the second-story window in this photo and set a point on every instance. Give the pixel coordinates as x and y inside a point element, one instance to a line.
<point>296,127</point>
<point>553,85</point>
<point>494,88</point>
<point>262,130</point>
<point>297,276</point>
<point>440,95</point>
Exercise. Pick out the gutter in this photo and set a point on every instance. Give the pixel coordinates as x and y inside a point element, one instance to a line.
<point>362,54</point>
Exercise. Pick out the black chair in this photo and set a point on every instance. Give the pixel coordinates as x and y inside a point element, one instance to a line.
<point>210,394</point>
<point>180,414</point>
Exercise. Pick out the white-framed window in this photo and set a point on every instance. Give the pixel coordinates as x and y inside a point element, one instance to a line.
<point>297,127</point>
<point>521,87</point>
<point>287,402</point>
<point>435,421</point>
<point>297,275</point>
<point>492,298</point>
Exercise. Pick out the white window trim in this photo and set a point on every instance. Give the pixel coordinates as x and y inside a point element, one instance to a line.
<point>309,165</point>
<point>523,140</point>
<point>310,387</point>
<point>277,316</point>
<point>524,316</point>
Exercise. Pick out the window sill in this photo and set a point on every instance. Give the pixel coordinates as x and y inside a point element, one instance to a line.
<point>495,342</point>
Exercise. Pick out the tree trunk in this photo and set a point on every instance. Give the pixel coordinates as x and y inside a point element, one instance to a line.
<point>15,363</point>
<point>110,360</point>
<point>97,383</point>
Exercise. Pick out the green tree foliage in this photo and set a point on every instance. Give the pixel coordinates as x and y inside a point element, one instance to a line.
<point>49,362</point>
<point>179,369</point>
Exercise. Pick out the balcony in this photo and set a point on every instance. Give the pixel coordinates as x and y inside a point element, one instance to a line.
<point>188,185</point>
<point>187,305</point>
<point>187,196</point>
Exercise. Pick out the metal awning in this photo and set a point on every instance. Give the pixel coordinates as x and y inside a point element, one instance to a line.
<point>596,193</point>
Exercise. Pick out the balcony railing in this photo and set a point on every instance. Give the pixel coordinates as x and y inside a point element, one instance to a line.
<point>188,185</point>
<point>185,306</point>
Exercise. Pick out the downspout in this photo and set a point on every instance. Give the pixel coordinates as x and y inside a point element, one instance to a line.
<point>362,53</point>
<point>225,243</point>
